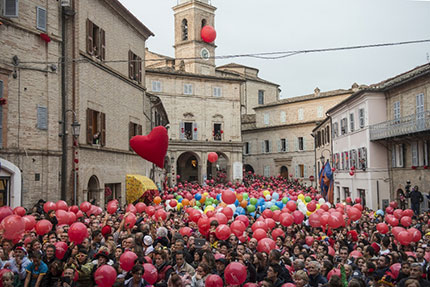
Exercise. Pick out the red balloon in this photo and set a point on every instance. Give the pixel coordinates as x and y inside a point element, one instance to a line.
<point>43,226</point>
<point>130,221</point>
<point>74,209</point>
<point>19,211</point>
<point>311,206</point>
<point>228,196</point>
<point>150,274</point>
<point>408,212</point>
<point>382,228</point>
<point>228,212</point>
<point>335,220</point>
<point>334,272</point>
<point>208,34</point>
<point>79,214</point>
<point>393,204</point>
<point>72,218</point>
<point>298,217</point>
<point>85,206</point>
<point>186,231</point>
<point>267,213</point>
<point>395,269</point>
<point>309,240</point>
<point>105,276</point>
<point>160,214</point>
<point>358,200</point>
<point>259,234</point>
<point>213,157</point>
<point>5,211</point>
<point>348,199</point>
<point>244,219</point>
<point>195,215</point>
<point>131,208</point>
<point>404,237</point>
<point>270,223</point>
<point>112,206</point>
<point>150,210</point>
<point>396,230</point>
<point>291,205</point>
<point>259,224</point>
<point>389,210</point>
<point>222,232</point>
<point>276,215</point>
<point>331,251</point>
<point>48,206</point>
<point>140,206</point>
<point>204,223</point>
<point>235,273</point>
<point>173,203</point>
<point>286,219</point>
<point>29,222</point>
<point>221,218</point>
<point>78,232</point>
<point>356,254</point>
<point>61,204</point>
<point>406,221</point>
<point>126,261</point>
<point>354,214</point>
<point>266,245</point>
<point>60,249</point>
<point>324,207</point>
<point>152,147</point>
<point>398,213</point>
<point>13,226</point>
<point>251,284</point>
<point>62,216</point>
<point>237,227</point>
<point>278,232</point>
<point>214,281</point>
<point>416,234</point>
<point>314,220</point>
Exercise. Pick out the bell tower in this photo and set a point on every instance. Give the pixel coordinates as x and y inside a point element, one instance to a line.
<point>190,17</point>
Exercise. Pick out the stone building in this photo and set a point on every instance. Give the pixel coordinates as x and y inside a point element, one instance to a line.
<point>280,141</point>
<point>405,133</point>
<point>323,147</point>
<point>30,153</point>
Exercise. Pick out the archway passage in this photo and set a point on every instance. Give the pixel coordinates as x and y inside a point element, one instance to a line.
<point>188,167</point>
<point>219,169</point>
<point>248,168</point>
<point>93,190</point>
<point>284,172</point>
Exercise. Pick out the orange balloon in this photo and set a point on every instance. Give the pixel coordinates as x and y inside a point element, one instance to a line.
<point>185,202</point>
<point>244,203</point>
<point>223,204</point>
<point>157,200</point>
<point>203,199</point>
<point>193,202</point>
<point>239,197</point>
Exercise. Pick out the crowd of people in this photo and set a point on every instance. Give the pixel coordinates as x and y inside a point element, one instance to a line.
<point>354,254</point>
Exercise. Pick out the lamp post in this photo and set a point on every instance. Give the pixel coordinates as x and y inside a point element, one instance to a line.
<point>76,130</point>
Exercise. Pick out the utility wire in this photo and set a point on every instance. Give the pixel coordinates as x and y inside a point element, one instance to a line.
<point>264,56</point>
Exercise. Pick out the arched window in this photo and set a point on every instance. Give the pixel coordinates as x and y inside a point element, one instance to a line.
<point>184,30</point>
<point>203,23</point>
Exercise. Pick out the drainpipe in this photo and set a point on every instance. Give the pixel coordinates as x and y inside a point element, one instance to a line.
<point>63,107</point>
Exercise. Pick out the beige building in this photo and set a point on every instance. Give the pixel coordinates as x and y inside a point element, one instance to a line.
<point>323,147</point>
<point>405,134</point>
<point>30,154</point>
<point>281,141</point>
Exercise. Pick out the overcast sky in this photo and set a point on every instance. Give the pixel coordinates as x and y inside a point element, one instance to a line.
<point>256,26</point>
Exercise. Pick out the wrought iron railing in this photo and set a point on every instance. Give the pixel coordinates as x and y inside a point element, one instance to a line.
<point>407,125</point>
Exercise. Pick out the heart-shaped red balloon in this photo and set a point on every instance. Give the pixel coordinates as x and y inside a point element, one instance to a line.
<point>152,147</point>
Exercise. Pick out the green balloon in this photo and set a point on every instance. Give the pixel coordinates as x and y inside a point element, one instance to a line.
<point>308,198</point>
<point>245,196</point>
<point>178,197</point>
<point>253,201</point>
<point>196,207</point>
<point>198,203</point>
<point>215,201</point>
<point>250,208</point>
<point>284,200</point>
<point>274,207</point>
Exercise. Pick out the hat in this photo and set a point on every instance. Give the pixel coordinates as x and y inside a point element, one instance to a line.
<point>21,248</point>
<point>376,247</point>
<point>102,253</point>
<point>148,240</point>
<point>106,230</point>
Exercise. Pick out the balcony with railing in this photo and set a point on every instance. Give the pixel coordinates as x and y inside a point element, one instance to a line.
<point>411,124</point>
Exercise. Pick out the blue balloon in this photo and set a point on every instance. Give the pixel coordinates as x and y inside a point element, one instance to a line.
<point>275,196</point>
<point>240,210</point>
<point>260,201</point>
<point>269,204</point>
<point>198,196</point>
<point>252,214</point>
<point>380,212</point>
<point>232,189</point>
<point>218,197</point>
<point>279,204</point>
<point>180,200</point>
<point>236,203</point>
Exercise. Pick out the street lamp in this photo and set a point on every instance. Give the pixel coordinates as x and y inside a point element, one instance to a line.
<point>76,128</point>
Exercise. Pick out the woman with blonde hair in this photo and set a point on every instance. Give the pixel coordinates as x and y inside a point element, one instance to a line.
<point>301,279</point>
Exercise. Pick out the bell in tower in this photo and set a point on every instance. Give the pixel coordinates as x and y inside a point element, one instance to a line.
<point>190,17</point>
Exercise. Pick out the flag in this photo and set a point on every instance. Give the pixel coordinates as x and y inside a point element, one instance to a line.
<point>326,182</point>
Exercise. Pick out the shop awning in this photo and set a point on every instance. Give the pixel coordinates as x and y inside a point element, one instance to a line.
<point>136,186</point>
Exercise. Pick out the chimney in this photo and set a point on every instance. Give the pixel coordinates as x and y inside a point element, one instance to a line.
<point>317,92</point>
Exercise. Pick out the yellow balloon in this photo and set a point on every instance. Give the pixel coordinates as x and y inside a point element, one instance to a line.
<point>308,213</point>
<point>179,206</point>
<point>318,206</point>
<point>209,208</point>
<point>206,194</point>
<point>301,196</point>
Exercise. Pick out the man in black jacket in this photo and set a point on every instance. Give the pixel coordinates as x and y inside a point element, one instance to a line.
<point>315,277</point>
<point>416,199</point>
<point>275,258</point>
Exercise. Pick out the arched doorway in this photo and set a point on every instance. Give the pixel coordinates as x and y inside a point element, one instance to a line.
<point>93,190</point>
<point>188,167</point>
<point>218,170</point>
<point>284,171</point>
<point>248,168</point>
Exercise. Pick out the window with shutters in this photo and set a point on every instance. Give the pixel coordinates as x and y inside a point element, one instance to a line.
<point>266,119</point>
<point>247,150</point>
<point>283,117</point>
<point>347,160</point>
<point>42,118</point>
<point>300,114</point>
<point>96,127</point>
<point>156,86</point>
<point>414,150</point>
<point>217,132</point>
<point>10,8</point>
<point>361,118</point>
<point>41,18</point>
<point>133,130</point>
<point>397,112</point>
<point>426,153</point>
<point>188,89</point>
<point>343,126</point>
<point>260,97</point>
<point>284,144</point>
<point>301,170</point>
<point>351,122</point>
<point>217,92</point>
<point>96,41</point>
<point>335,130</point>
<point>134,67</point>
<point>320,112</point>
<point>327,131</point>
<point>184,30</point>
<point>188,130</point>
<point>300,143</point>
<point>353,158</point>
<point>266,146</point>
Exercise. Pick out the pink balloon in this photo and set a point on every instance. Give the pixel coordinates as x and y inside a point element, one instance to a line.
<point>354,214</point>
<point>131,208</point>
<point>267,213</point>
<point>127,259</point>
<point>105,276</point>
<point>72,218</point>
<point>151,273</point>
<point>395,269</point>
<point>416,234</point>
<point>404,237</point>
<point>266,245</point>
<point>222,232</point>
<point>228,196</point>
<point>398,213</point>
<point>161,214</point>
<point>48,206</point>
<point>85,206</point>
<point>13,226</point>
<point>19,211</point>
<point>259,224</point>
<point>270,223</point>
<point>291,205</point>
<point>221,218</point>
<point>43,226</point>
<point>286,219</point>
<point>277,232</point>
<point>235,273</point>
<point>214,281</point>
<point>150,210</point>
<point>382,228</point>
<point>112,206</point>
<point>314,220</point>
<point>228,212</point>
<point>78,232</point>
<point>406,221</point>
<point>29,222</point>
<point>186,231</point>
<point>130,221</point>
<point>298,217</point>
<point>356,254</point>
<point>79,214</point>
<point>259,234</point>
<point>244,219</point>
<point>333,272</point>
<point>61,204</point>
<point>74,209</point>
<point>60,249</point>
<point>309,240</point>
<point>140,207</point>
<point>62,216</point>
<point>237,227</point>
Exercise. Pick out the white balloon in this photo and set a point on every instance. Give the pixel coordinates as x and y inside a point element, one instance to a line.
<point>232,206</point>
<point>268,197</point>
<point>321,201</point>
